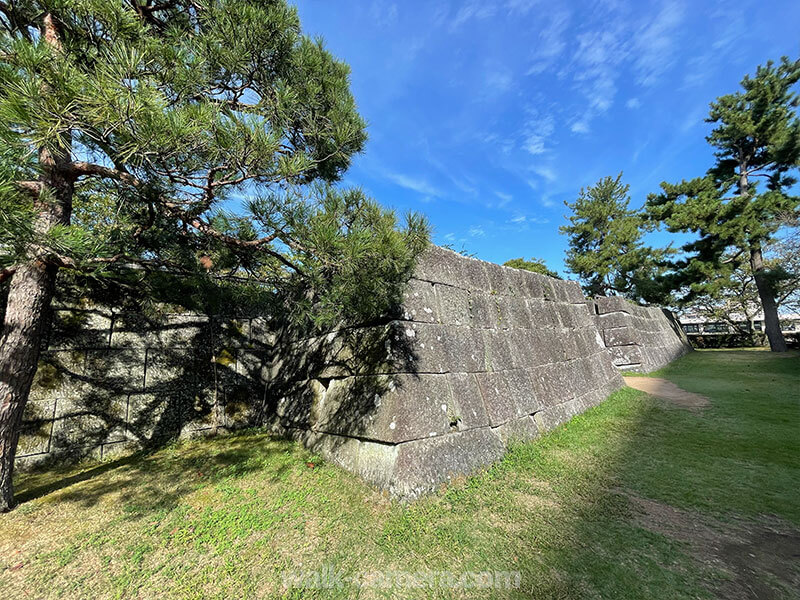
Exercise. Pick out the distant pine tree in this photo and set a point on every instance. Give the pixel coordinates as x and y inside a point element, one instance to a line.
<point>734,215</point>
<point>535,265</point>
<point>605,250</point>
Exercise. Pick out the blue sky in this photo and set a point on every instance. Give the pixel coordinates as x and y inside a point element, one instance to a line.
<point>487,115</point>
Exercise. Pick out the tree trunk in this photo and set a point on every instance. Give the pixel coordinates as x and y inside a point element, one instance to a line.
<point>772,324</point>
<point>27,310</point>
<point>31,292</point>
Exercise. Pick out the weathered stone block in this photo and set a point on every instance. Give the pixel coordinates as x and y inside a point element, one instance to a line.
<point>420,303</point>
<point>550,418</point>
<point>475,275</point>
<point>498,350</point>
<point>37,426</point>
<point>183,330</point>
<point>542,314</point>
<point>483,308</point>
<point>441,265</point>
<point>497,397</point>
<point>397,409</point>
<point>574,292</point>
<point>454,305</point>
<point>522,429</point>
<point>498,279</point>
<point>115,369</point>
<point>135,330</point>
<point>60,373</point>
<point>522,392</point>
<point>626,355</point>
<point>76,328</point>
<point>342,451</point>
<point>470,410</point>
<point>89,420</point>
<point>155,418</point>
<point>263,333</point>
<point>609,304</point>
<point>423,465</point>
<point>376,463</point>
<point>619,336</point>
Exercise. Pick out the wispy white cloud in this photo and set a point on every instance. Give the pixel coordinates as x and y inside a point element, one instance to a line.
<point>546,172</point>
<point>537,131</point>
<point>498,80</point>
<point>551,41</point>
<point>701,67</point>
<point>476,231</point>
<point>474,9</point>
<point>656,43</point>
<point>633,103</point>
<point>415,184</point>
<point>523,221</point>
<point>504,199</point>
<point>580,126</point>
<point>383,14</point>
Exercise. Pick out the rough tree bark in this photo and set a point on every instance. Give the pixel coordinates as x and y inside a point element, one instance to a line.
<point>772,324</point>
<point>29,296</point>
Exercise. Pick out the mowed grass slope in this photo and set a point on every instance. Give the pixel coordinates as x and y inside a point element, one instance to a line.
<point>634,499</point>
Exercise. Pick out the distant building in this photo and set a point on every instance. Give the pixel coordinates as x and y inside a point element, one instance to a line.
<point>700,325</point>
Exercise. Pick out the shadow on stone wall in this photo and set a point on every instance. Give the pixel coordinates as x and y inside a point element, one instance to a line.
<point>118,376</point>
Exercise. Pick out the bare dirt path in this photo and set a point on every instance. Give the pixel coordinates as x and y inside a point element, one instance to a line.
<point>666,390</point>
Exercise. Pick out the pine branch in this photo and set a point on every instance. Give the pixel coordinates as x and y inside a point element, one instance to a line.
<point>78,168</point>
<point>32,188</point>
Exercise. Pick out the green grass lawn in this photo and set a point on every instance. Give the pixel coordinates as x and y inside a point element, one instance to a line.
<point>634,499</point>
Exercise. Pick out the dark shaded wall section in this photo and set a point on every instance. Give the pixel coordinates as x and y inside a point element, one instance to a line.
<point>111,382</point>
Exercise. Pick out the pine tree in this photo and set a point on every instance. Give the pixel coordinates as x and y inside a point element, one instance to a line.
<point>128,130</point>
<point>605,250</point>
<point>535,265</point>
<point>735,209</point>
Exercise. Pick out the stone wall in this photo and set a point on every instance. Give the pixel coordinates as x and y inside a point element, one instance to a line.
<point>478,355</point>
<point>108,382</point>
<point>639,338</point>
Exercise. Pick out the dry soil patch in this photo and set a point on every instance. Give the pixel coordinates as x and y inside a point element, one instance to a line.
<point>666,390</point>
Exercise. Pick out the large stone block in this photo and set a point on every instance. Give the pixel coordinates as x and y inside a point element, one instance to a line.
<point>619,336</point>
<point>551,417</point>
<point>421,347</point>
<point>454,305</point>
<point>522,392</point>
<point>440,265</point>
<point>79,328</point>
<point>609,304</point>
<point>626,355</point>
<point>499,280</point>
<point>542,314</point>
<point>397,409</point>
<point>37,427</point>
<point>498,350</point>
<point>89,420</point>
<point>422,465</point>
<point>497,397</point>
<point>115,369</point>
<point>470,409</point>
<point>420,303</point>
<point>483,308</point>
<point>376,463</point>
<point>522,429</point>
